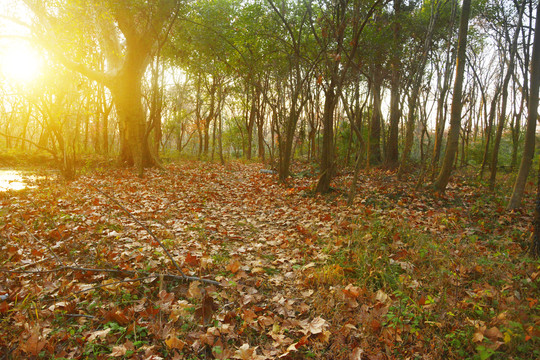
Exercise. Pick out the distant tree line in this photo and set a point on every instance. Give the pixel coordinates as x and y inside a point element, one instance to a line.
<point>427,85</point>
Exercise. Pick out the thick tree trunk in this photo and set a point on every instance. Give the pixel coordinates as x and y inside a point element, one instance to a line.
<point>286,145</point>
<point>455,117</point>
<point>127,97</point>
<point>327,156</point>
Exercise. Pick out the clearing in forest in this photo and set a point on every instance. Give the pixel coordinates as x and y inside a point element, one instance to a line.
<point>400,274</point>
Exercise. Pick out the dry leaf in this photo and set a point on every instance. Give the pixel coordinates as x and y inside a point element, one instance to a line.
<point>118,351</point>
<point>206,310</point>
<point>247,353</point>
<point>192,260</point>
<point>493,334</point>
<point>477,337</point>
<point>233,266</point>
<point>352,291</point>
<point>33,345</point>
<point>194,290</point>
<point>381,296</point>
<point>98,334</point>
<point>317,325</point>
<point>175,343</point>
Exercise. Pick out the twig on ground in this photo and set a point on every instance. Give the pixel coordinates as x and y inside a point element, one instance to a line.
<point>113,283</point>
<point>43,242</point>
<point>79,316</point>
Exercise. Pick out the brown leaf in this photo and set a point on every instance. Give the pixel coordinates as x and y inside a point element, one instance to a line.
<point>192,260</point>
<point>175,343</point>
<point>493,334</point>
<point>206,310</point>
<point>4,307</point>
<point>233,266</point>
<point>117,351</point>
<point>117,316</point>
<point>352,291</point>
<point>33,345</point>
<point>98,334</point>
<point>478,337</point>
<point>247,353</point>
<point>194,291</point>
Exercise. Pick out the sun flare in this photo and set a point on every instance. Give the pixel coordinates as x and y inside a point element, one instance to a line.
<point>20,63</point>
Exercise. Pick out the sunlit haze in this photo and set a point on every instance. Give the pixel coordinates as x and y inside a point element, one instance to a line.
<point>19,63</point>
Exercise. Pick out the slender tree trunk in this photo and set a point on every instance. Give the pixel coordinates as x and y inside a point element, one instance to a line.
<point>392,152</point>
<point>441,101</point>
<point>376,118</point>
<point>530,135</point>
<point>502,117</point>
<point>488,131</point>
<point>455,118</point>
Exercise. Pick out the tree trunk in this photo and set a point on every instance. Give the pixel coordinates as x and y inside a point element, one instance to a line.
<point>502,117</point>
<point>455,117</point>
<point>127,97</point>
<point>327,156</point>
<point>530,135</point>
<point>441,102</point>
<point>488,131</point>
<point>376,118</point>
<point>392,152</point>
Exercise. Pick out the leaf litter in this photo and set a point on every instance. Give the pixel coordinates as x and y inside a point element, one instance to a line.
<point>400,274</point>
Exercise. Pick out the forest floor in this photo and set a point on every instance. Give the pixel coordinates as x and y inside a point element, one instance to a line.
<point>402,274</point>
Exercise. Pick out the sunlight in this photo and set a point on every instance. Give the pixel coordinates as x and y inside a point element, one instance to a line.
<point>20,63</point>
<point>11,180</point>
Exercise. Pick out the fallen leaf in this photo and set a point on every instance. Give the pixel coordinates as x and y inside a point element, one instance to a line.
<point>98,334</point>
<point>175,343</point>
<point>233,266</point>
<point>206,310</point>
<point>33,345</point>
<point>317,325</point>
<point>493,334</point>
<point>194,291</point>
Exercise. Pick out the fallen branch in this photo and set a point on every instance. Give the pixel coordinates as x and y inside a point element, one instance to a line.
<point>126,272</point>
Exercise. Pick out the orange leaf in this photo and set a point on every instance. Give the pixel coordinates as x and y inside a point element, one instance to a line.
<point>192,260</point>
<point>175,343</point>
<point>33,345</point>
<point>233,266</point>
<point>493,333</point>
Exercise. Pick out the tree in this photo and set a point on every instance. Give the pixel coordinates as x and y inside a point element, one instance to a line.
<point>455,117</point>
<point>504,96</point>
<point>530,137</point>
<point>128,33</point>
<point>335,70</point>
<point>392,152</point>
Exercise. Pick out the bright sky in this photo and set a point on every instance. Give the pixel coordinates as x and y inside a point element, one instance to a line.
<point>19,61</point>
